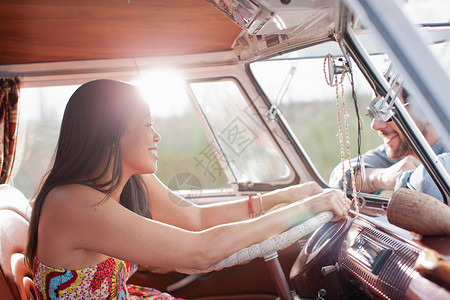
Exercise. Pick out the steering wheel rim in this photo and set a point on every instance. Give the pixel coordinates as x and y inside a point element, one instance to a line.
<point>275,243</point>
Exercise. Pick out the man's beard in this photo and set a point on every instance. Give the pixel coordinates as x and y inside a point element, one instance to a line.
<point>403,147</point>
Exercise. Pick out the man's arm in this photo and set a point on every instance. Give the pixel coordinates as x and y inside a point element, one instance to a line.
<point>419,179</point>
<point>381,171</point>
<point>384,178</point>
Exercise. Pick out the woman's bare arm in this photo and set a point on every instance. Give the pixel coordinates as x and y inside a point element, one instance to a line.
<point>190,216</point>
<point>74,218</point>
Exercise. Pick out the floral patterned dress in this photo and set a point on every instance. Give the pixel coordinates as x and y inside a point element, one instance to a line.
<point>107,280</point>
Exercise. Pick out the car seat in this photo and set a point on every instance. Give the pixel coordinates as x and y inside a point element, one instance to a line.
<point>15,278</point>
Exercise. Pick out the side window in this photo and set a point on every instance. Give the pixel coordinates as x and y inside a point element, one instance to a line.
<point>40,115</point>
<point>186,161</point>
<point>242,152</point>
<point>309,104</point>
<point>239,135</point>
<point>185,158</point>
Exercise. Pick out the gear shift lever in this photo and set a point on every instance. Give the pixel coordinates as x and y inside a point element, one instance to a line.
<point>278,276</point>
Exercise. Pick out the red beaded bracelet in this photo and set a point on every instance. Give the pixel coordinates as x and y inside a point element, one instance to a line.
<point>250,207</point>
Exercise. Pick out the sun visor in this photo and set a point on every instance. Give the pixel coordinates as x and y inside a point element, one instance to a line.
<point>266,17</point>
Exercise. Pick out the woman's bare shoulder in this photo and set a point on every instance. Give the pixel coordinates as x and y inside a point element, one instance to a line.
<point>74,214</point>
<point>71,197</point>
<point>65,225</point>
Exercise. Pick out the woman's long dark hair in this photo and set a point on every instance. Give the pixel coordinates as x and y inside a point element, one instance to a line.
<point>94,120</point>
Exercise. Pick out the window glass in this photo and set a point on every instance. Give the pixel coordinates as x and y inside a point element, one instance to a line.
<point>40,116</point>
<point>432,22</point>
<point>245,143</point>
<point>185,160</point>
<point>426,12</point>
<point>182,149</point>
<point>431,19</point>
<point>309,104</point>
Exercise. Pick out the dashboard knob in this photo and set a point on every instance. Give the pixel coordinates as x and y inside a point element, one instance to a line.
<point>330,269</point>
<point>321,293</point>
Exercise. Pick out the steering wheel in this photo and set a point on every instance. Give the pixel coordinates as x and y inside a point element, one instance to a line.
<point>278,242</point>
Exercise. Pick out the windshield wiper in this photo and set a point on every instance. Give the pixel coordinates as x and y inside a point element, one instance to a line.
<point>270,114</point>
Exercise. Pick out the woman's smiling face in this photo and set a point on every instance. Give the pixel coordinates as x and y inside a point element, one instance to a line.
<point>138,142</point>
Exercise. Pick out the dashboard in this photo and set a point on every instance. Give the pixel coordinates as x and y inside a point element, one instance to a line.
<point>381,264</point>
<point>365,258</point>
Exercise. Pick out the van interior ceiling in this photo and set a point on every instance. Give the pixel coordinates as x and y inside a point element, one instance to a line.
<point>52,31</point>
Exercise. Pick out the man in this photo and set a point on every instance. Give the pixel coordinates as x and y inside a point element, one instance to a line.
<point>394,164</point>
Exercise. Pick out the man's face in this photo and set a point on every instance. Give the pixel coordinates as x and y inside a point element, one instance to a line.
<point>396,144</point>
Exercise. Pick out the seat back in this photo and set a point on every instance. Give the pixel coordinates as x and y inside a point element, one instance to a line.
<point>15,212</point>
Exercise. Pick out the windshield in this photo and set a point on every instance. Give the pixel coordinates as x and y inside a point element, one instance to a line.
<point>309,104</point>
<point>320,115</point>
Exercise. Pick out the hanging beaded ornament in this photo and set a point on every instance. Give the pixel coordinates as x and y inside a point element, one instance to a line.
<point>336,79</point>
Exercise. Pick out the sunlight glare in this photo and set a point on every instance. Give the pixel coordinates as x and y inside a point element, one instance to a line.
<point>164,91</point>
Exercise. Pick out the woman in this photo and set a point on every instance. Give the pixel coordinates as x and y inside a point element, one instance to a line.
<point>101,207</point>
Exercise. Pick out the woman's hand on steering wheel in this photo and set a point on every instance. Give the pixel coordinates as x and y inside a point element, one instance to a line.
<point>328,200</point>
